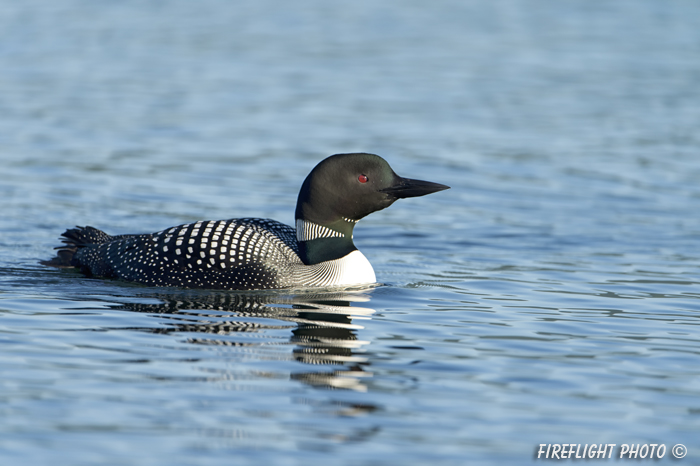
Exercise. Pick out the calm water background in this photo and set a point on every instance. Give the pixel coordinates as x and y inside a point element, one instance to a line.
<point>552,295</point>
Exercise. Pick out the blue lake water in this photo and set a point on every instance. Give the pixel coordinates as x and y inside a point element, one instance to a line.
<point>551,296</point>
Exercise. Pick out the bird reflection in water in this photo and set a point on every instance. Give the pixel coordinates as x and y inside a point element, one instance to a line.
<point>325,331</point>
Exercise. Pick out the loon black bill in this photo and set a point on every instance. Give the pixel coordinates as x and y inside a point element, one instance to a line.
<point>407,187</point>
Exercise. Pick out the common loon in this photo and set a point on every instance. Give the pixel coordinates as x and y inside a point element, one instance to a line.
<point>254,253</point>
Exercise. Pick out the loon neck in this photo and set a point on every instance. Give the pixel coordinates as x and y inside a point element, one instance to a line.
<point>321,243</point>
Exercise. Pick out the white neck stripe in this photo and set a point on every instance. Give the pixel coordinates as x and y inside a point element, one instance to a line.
<point>307,231</point>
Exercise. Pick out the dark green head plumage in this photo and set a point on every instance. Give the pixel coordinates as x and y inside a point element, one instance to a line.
<point>352,186</point>
<point>341,190</point>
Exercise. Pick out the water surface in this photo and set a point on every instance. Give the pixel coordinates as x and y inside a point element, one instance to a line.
<point>551,296</point>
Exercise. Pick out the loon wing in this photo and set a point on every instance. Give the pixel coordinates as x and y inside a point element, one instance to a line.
<point>238,254</point>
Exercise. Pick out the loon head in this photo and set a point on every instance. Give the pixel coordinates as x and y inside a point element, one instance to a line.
<point>341,190</point>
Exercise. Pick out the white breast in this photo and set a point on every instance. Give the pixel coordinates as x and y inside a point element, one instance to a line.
<point>353,269</point>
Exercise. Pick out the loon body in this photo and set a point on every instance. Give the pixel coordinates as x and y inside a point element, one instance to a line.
<point>253,253</point>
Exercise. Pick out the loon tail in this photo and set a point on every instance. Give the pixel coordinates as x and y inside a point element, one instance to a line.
<point>73,239</point>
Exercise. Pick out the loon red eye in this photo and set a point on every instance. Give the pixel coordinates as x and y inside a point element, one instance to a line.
<point>362,179</point>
